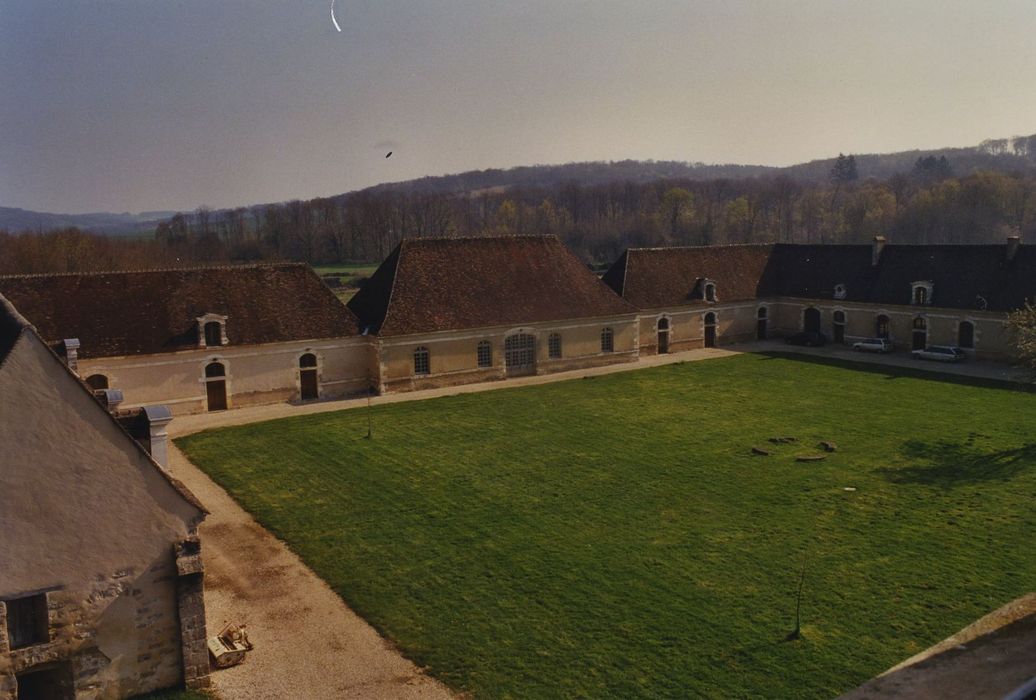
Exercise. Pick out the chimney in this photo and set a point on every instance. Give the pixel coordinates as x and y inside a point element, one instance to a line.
<point>879,245</point>
<point>1013,242</point>
<point>109,398</point>
<point>72,353</point>
<point>158,418</point>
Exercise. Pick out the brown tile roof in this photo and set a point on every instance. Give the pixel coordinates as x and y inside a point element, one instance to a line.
<point>154,311</point>
<point>652,278</point>
<point>430,285</point>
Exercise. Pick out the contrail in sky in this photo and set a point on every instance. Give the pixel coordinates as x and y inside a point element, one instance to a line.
<point>333,20</point>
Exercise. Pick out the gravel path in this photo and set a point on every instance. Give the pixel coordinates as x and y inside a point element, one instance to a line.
<point>308,643</point>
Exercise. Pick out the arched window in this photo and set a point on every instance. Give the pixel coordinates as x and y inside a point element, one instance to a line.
<point>97,381</point>
<point>484,354</point>
<point>663,335</point>
<point>762,315</point>
<point>920,296</point>
<point>710,291</point>
<point>308,360</point>
<point>520,354</point>
<point>881,326</point>
<point>663,324</point>
<point>762,312</point>
<point>554,346</point>
<point>213,334</point>
<point>422,363</point>
<point>966,334</point>
<point>839,317</point>
<point>607,340</point>
<point>920,324</point>
<point>215,369</point>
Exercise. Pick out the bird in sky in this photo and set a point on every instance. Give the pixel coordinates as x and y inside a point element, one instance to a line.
<point>388,154</point>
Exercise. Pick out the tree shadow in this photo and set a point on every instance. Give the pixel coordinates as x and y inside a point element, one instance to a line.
<point>958,464</point>
<point>897,372</point>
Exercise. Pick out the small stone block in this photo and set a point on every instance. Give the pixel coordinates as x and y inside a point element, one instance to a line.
<point>828,446</point>
<point>810,458</point>
<point>760,451</point>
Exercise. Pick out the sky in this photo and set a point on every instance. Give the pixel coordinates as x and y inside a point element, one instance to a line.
<point>167,105</point>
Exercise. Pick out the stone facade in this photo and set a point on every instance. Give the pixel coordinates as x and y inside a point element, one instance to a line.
<point>453,355</point>
<point>254,374</point>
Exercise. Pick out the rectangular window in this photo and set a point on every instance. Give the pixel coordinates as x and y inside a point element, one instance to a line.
<point>27,622</point>
<point>554,346</point>
<point>485,354</point>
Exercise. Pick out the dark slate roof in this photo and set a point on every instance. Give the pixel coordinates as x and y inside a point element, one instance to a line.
<point>155,311</point>
<point>963,276</point>
<point>652,278</point>
<point>812,271</point>
<point>428,285</point>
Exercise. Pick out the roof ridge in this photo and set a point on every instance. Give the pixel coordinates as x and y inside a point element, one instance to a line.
<point>703,247</point>
<point>494,237</point>
<point>189,268</point>
<point>392,289</point>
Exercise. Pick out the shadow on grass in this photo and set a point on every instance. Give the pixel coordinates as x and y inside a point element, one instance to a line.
<point>954,464</point>
<point>896,372</point>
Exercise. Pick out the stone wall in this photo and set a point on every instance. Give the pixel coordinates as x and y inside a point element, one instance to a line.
<point>120,635</point>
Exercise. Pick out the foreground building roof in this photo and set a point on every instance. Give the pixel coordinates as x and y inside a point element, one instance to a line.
<point>979,277</point>
<point>155,311</point>
<point>430,285</point>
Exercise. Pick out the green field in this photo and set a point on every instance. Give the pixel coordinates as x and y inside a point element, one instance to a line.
<point>615,537</point>
<point>348,275</point>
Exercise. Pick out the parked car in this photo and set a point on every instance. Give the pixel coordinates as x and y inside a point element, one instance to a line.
<point>873,345</point>
<point>811,339</point>
<point>940,353</point>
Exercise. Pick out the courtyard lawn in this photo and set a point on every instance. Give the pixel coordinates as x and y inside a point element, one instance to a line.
<point>615,537</point>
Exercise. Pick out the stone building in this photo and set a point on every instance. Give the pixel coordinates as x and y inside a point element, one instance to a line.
<point>915,295</point>
<point>100,564</point>
<point>452,311</point>
<point>200,339</point>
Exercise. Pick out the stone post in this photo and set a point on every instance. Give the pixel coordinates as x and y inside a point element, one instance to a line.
<point>158,417</point>
<point>191,603</point>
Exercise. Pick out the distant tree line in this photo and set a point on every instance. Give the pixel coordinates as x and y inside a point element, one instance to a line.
<point>928,204</point>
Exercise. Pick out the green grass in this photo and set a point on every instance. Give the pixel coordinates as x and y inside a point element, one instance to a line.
<point>614,537</point>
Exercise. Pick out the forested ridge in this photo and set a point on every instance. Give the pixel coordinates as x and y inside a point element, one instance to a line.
<point>934,199</point>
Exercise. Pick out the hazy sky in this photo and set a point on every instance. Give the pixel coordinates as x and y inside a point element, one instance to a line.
<point>137,105</point>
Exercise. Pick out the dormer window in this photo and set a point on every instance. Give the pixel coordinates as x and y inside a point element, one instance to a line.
<point>840,291</point>
<point>921,293</point>
<point>710,291</point>
<point>212,331</point>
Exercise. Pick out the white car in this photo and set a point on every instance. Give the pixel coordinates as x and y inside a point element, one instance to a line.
<point>873,345</point>
<point>940,353</point>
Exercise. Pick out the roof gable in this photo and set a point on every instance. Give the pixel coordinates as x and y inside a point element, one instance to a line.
<point>430,285</point>
<point>147,312</point>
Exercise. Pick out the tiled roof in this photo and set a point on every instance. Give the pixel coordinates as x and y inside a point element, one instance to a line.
<point>964,276</point>
<point>430,285</point>
<point>134,313</point>
<point>652,278</point>
<point>13,324</point>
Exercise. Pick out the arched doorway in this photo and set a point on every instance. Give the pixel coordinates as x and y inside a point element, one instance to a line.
<point>762,318</point>
<point>881,327</point>
<point>811,320</point>
<point>97,381</point>
<point>838,327</point>
<point>520,354</point>
<point>663,335</point>
<point>966,335</point>
<point>216,386</point>
<point>920,334</point>
<point>308,384</point>
<point>710,330</point>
